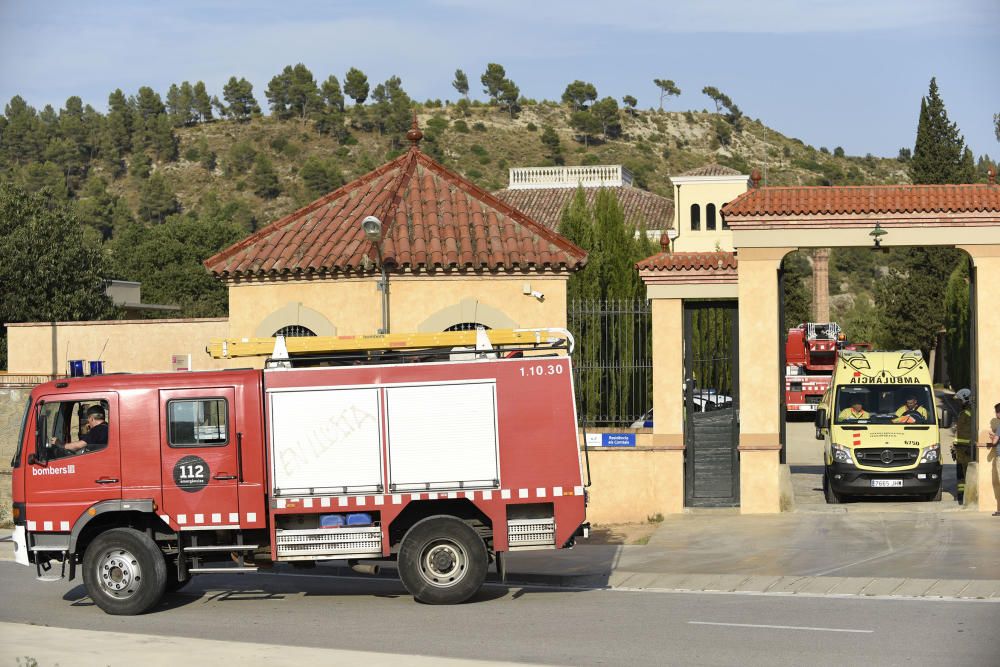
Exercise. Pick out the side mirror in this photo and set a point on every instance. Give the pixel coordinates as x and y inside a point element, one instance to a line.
<point>946,418</point>
<point>821,423</point>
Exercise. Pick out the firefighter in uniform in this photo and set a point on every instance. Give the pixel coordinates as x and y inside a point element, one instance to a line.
<point>961,451</point>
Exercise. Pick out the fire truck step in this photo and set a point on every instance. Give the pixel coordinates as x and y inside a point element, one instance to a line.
<point>220,570</point>
<point>223,547</point>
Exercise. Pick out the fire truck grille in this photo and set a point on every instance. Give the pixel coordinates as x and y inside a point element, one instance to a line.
<point>886,457</point>
<point>332,542</point>
<point>531,532</point>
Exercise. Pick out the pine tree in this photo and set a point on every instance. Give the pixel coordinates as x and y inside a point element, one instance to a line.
<point>20,140</point>
<point>492,80</point>
<point>606,113</point>
<point>939,153</point>
<point>667,88</point>
<point>956,321</point>
<point>241,104</point>
<point>46,248</point>
<point>201,102</point>
<point>461,83</point>
<point>117,139</point>
<point>278,95</point>
<point>157,199</point>
<point>579,94</point>
<point>356,85</point>
<point>264,178</point>
<point>293,93</point>
<point>550,139</point>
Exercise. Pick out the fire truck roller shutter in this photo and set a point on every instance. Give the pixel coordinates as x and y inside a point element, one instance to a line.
<point>326,439</point>
<point>443,436</point>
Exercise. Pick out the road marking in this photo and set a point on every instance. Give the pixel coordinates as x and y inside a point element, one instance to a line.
<point>780,627</point>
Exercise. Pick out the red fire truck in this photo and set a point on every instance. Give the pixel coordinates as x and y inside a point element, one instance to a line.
<point>388,451</point>
<point>810,357</point>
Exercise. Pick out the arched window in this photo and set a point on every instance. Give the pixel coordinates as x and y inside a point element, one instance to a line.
<point>725,223</point>
<point>695,217</point>
<point>467,326</point>
<point>710,217</point>
<point>294,331</point>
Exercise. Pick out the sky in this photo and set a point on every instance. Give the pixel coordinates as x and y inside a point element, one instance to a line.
<point>847,73</point>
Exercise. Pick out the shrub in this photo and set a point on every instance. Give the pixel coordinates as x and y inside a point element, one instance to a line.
<point>461,126</point>
<point>532,127</point>
<point>479,126</point>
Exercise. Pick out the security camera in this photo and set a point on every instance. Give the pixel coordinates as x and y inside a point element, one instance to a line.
<point>538,295</point>
<point>372,227</point>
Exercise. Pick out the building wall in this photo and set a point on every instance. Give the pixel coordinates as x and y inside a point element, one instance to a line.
<point>688,191</point>
<point>123,345</point>
<point>353,306</point>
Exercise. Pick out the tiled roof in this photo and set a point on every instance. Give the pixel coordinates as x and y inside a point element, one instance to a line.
<point>688,261</point>
<point>712,170</point>
<point>546,205</point>
<point>864,199</point>
<point>433,220</point>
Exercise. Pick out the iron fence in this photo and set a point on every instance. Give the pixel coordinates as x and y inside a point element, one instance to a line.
<point>613,364</point>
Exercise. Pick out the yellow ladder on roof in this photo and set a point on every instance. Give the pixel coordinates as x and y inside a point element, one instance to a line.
<point>479,339</point>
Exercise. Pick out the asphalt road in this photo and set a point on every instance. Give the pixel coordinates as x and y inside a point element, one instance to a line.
<point>542,626</point>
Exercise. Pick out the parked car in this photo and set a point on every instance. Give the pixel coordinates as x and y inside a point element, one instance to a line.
<point>705,400</point>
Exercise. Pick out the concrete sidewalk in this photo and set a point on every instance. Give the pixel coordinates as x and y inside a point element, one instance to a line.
<point>919,554</point>
<point>896,554</point>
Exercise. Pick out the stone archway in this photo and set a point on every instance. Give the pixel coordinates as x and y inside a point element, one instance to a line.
<point>768,223</point>
<point>467,310</point>
<point>294,313</point>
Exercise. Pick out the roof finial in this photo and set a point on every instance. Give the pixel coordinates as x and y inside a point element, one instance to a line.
<point>991,175</point>
<point>755,178</point>
<point>414,135</point>
<point>664,242</point>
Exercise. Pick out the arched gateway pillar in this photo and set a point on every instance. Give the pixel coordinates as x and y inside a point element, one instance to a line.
<point>986,263</point>
<point>760,379</point>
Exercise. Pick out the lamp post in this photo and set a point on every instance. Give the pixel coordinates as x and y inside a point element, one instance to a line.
<point>372,228</point>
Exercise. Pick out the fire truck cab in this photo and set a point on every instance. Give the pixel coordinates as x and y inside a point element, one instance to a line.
<point>442,466</point>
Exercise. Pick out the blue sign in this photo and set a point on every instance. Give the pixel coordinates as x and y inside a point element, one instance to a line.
<point>618,439</point>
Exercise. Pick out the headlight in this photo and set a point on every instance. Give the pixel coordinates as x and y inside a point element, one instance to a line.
<point>932,454</point>
<point>840,454</point>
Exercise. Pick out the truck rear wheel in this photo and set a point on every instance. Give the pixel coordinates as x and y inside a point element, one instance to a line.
<point>442,560</point>
<point>124,572</point>
<point>832,497</point>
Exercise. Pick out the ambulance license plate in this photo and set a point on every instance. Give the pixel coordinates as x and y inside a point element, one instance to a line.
<point>887,482</point>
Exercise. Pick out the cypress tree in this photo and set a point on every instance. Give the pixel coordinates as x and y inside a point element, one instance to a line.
<point>939,153</point>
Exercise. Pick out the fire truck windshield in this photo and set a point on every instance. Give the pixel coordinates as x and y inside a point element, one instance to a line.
<point>884,404</point>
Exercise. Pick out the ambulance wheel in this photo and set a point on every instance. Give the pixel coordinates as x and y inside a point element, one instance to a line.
<point>832,497</point>
<point>442,560</point>
<point>124,572</point>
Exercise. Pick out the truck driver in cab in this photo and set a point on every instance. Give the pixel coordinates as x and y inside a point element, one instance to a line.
<point>97,435</point>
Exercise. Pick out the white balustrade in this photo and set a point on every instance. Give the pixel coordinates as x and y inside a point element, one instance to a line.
<point>591,176</point>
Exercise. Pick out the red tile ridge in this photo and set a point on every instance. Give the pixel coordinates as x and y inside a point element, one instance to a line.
<point>471,188</point>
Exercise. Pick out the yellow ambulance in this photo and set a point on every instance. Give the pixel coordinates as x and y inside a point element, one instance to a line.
<point>879,422</point>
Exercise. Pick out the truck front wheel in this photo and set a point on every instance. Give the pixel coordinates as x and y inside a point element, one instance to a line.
<point>124,572</point>
<point>442,560</point>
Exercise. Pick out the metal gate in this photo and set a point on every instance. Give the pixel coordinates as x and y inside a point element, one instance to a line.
<point>711,424</point>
